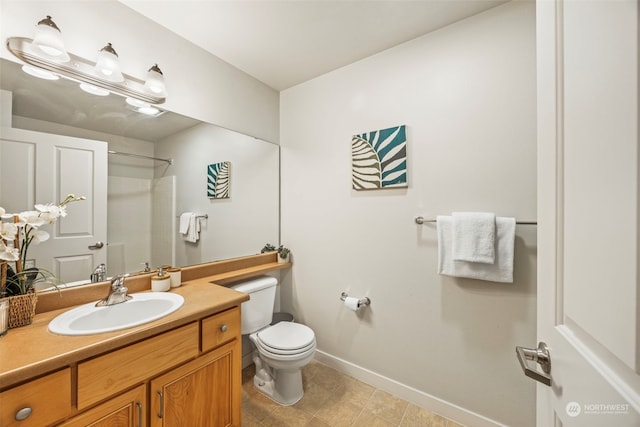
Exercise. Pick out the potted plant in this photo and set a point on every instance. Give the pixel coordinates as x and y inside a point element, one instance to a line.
<point>283,254</point>
<point>267,248</point>
<point>17,233</point>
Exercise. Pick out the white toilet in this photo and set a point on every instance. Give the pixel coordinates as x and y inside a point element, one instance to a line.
<point>281,350</point>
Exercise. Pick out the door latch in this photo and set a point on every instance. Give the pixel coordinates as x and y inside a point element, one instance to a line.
<point>539,355</point>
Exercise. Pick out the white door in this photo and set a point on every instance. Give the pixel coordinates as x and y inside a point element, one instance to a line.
<point>588,213</point>
<point>44,168</point>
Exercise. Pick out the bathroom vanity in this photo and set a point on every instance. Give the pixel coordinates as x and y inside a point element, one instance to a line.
<point>183,369</point>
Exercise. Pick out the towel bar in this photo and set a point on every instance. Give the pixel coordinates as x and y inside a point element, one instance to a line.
<point>205,216</point>
<point>421,220</point>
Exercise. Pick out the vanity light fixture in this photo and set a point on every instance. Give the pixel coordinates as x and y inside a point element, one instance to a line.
<point>107,65</point>
<point>155,81</point>
<point>47,57</point>
<point>48,39</point>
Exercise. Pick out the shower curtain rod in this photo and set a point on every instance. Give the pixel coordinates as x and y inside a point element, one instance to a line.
<point>140,156</point>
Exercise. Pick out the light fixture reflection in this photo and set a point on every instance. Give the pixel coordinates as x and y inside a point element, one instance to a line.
<point>136,102</point>
<point>39,72</point>
<point>148,110</point>
<point>94,90</point>
<point>143,107</point>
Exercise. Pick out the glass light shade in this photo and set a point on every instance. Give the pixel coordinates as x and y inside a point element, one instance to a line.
<point>48,40</point>
<point>107,66</point>
<point>39,72</point>
<point>155,81</point>
<point>94,90</point>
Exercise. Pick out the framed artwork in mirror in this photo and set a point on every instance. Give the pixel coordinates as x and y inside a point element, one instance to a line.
<point>218,180</point>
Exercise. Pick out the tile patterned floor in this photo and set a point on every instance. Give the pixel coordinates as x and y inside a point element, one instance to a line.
<point>332,399</point>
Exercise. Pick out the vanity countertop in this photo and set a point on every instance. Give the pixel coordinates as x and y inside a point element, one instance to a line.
<point>29,351</point>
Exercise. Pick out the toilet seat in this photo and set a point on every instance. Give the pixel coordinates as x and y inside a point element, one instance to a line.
<point>286,338</point>
<point>294,357</point>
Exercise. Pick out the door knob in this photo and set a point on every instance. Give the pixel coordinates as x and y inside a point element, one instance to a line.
<point>539,355</point>
<point>97,245</point>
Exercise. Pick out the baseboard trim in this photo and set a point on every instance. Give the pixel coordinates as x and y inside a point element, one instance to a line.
<point>410,394</point>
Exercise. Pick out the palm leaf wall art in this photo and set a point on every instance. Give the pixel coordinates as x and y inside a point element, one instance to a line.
<point>218,180</point>
<point>379,159</point>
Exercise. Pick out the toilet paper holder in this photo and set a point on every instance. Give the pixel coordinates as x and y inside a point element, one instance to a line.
<point>361,301</point>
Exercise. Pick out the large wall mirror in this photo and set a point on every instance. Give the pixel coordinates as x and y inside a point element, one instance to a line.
<point>147,194</point>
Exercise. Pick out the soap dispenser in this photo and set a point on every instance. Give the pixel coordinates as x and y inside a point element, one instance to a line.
<point>176,276</point>
<point>161,282</point>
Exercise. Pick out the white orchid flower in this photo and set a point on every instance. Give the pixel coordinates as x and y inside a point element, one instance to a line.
<point>8,230</point>
<point>9,253</point>
<point>38,236</point>
<point>30,218</point>
<point>24,228</point>
<point>50,212</point>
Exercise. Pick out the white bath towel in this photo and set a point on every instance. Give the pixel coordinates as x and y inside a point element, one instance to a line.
<point>500,271</point>
<point>184,222</point>
<point>474,236</point>
<point>190,227</point>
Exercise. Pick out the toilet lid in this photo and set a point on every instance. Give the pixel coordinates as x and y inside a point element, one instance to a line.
<point>287,336</point>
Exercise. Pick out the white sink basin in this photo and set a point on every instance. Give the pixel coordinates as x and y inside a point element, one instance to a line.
<point>88,319</point>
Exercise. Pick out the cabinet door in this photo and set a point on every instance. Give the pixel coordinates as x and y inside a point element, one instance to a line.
<point>203,393</point>
<point>124,410</point>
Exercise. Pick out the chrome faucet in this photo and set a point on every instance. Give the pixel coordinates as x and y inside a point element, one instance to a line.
<point>117,292</point>
<point>99,274</point>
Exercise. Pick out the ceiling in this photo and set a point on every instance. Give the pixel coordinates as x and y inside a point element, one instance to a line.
<point>287,42</point>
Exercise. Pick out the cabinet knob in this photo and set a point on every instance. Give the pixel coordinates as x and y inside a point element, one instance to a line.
<point>223,328</point>
<point>23,414</point>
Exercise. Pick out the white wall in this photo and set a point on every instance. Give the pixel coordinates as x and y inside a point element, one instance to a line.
<point>467,96</point>
<point>199,84</point>
<point>241,224</point>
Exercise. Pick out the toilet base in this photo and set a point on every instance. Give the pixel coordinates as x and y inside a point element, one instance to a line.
<point>286,391</point>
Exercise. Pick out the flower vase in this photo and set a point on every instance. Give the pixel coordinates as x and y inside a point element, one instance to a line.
<point>283,260</point>
<point>22,308</point>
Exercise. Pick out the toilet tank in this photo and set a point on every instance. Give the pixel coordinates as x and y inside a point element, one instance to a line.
<point>258,311</point>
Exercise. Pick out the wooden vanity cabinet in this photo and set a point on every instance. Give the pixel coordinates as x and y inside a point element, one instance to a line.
<point>205,392</point>
<point>199,393</point>
<point>125,410</point>
<point>188,376</point>
<point>39,402</point>
<point>106,375</point>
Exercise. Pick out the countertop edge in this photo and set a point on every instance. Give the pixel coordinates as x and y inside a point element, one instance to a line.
<point>78,348</point>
